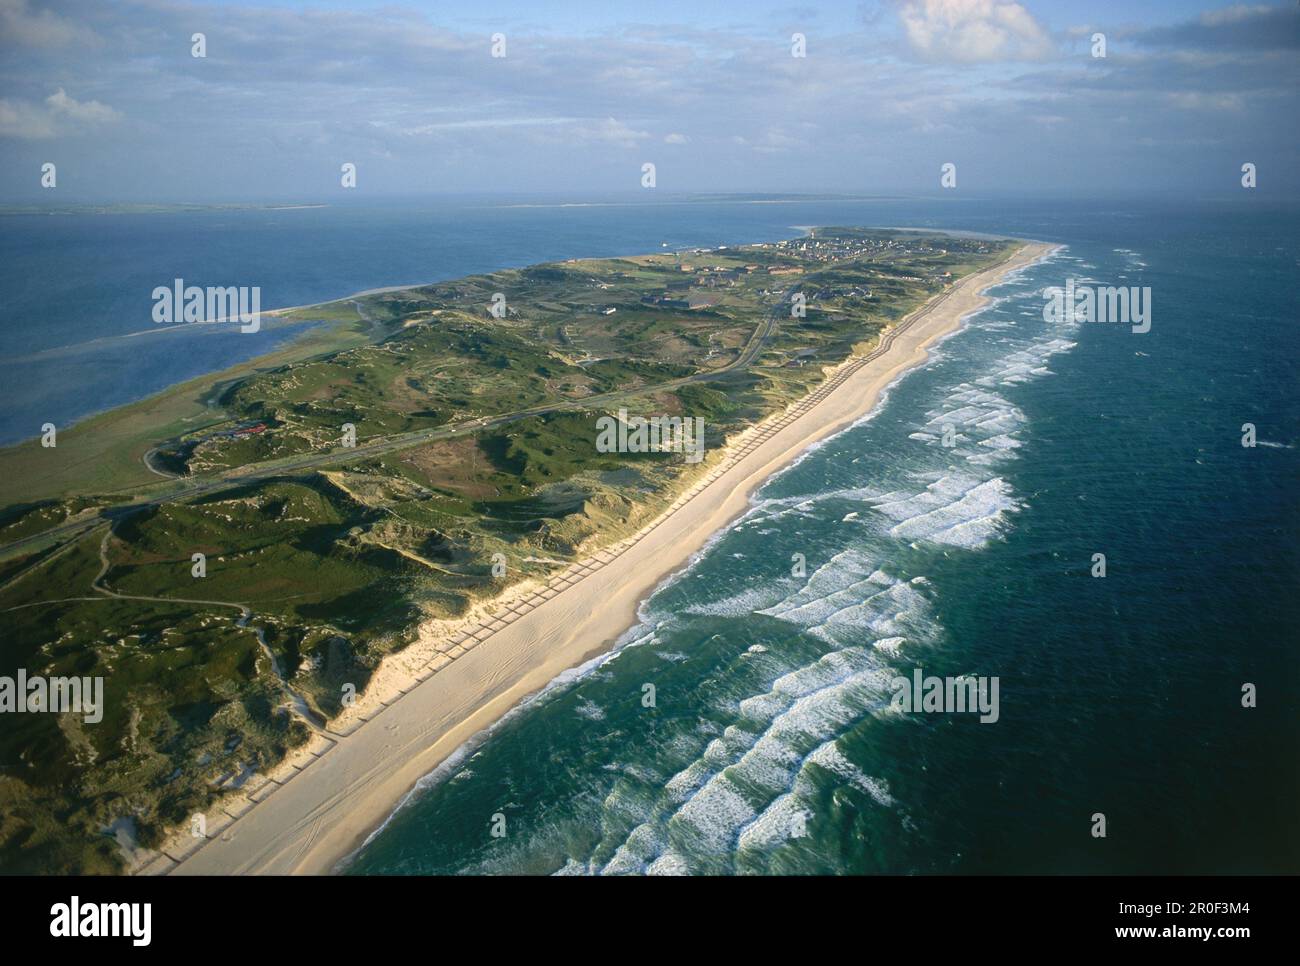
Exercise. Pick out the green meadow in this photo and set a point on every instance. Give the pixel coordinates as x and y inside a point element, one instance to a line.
<point>475,435</point>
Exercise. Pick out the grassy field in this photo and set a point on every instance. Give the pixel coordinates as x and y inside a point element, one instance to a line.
<point>317,568</point>
<point>104,454</point>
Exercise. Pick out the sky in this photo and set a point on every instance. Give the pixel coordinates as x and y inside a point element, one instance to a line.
<point>587,93</point>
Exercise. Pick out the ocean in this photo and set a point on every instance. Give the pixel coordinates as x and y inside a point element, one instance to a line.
<point>79,337</point>
<point>773,745</point>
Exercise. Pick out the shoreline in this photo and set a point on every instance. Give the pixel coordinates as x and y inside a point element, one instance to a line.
<point>268,357</point>
<point>333,794</point>
<point>285,349</point>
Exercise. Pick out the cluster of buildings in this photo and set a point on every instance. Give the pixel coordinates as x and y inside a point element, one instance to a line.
<point>240,431</point>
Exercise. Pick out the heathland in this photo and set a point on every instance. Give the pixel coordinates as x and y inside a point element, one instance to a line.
<point>411,460</point>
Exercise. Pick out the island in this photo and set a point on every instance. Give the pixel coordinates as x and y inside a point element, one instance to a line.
<point>306,580</point>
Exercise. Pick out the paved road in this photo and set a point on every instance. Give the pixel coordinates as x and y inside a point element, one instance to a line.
<point>189,488</point>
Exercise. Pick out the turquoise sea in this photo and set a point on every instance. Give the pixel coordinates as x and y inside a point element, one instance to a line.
<point>771,747</point>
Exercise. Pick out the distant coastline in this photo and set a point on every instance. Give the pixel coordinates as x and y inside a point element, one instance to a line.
<point>128,208</point>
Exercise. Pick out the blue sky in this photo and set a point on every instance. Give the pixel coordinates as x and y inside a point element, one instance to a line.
<point>588,92</point>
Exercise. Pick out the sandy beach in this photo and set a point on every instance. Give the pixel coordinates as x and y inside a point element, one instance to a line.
<point>431,699</point>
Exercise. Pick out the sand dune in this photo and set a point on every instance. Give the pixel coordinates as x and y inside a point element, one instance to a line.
<point>344,786</point>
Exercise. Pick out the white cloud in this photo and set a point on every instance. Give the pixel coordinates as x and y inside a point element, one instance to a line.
<point>1202,101</point>
<point>20,26</point>
<point>1237,13</point>
<point>91,111</point>
<point>468,124</point>
<point>973,31</point>
<point>58,115</point>
<point>22,119</point>
<point>305,85</point>
<point>611,131</point>
<point>771,141</point>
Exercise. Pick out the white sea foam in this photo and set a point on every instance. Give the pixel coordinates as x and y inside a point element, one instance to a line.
<point>830,757</point>
<point>786,818</point>
<point>827,697</point>
<point>738,776</point>
<point>643,843</point>
<point>890,645</point>
<point>969,521</point>
<point>749,785</point>
<point>686,781</point>
<point>738,605</point>
<point>715,814</point>
<point>625,805</point>
<point>669,864</point>
<point>590,710</point>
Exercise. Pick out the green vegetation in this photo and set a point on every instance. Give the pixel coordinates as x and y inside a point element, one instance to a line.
<point>475,436</point>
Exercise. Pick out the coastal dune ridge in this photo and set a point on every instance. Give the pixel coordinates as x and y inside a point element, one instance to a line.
<point>373,758</point>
